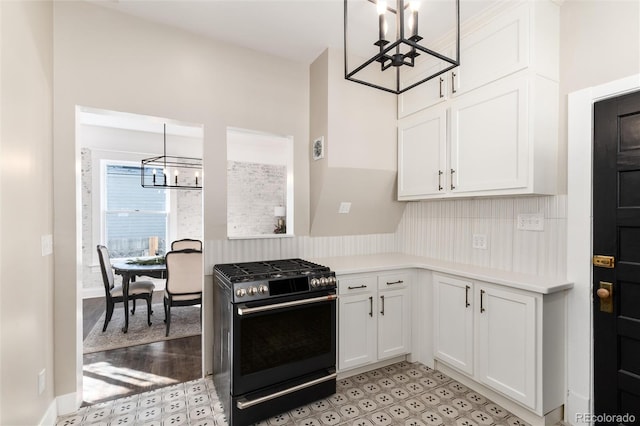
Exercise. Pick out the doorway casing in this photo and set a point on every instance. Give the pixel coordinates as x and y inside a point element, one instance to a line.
<point>579,241</point>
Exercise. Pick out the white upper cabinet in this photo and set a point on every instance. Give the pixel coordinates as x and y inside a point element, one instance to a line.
<point>490,126</point>
<point>422,145</point>
<point>427,94</point>
<point>499,159</point>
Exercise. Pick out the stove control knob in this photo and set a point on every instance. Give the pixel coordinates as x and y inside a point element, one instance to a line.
<point>263,289</point>
<point>332,280</point>
<point>323,281</point>
<point>241,292</point>
<point>252,291</point>
<point>315,282</point>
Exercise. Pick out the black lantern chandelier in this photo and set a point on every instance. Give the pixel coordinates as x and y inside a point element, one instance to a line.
<point>171,172</point>
<point>399,58</point>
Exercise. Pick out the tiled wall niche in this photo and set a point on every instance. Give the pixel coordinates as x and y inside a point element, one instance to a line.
<point>253,191</point>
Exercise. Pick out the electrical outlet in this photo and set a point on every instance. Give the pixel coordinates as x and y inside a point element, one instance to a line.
<point>531,222</point>
<point>480,241</point>
<point>42,381</point>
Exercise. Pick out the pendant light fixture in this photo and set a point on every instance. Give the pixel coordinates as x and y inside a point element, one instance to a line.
<point>395,45</point>
<point>171,172</point>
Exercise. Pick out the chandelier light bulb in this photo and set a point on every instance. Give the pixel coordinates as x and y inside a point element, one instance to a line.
<point>414,5</point>
<point>382,7</point>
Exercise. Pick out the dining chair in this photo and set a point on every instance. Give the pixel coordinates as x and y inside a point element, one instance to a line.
<point>184,281</point>
<point>186,243</point>
<point>114,294</point>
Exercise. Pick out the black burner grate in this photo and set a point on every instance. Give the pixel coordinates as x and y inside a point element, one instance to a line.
<point>251,271</point>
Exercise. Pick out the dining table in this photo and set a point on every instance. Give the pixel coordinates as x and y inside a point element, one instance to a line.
<point>129,272</point>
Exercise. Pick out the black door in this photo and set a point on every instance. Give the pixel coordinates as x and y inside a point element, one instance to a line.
<point>616,271</point>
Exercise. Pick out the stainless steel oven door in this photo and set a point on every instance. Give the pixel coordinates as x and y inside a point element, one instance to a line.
<point>287,337</point>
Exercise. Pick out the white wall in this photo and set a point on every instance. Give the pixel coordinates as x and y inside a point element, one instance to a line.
<point>26,276</point>
<point>599,42</point>
<point>111,61</point>
<point>360,161</point>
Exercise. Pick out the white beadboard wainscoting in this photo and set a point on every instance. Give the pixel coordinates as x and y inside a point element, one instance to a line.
<point>226,251</point>
<point>436,229</point>
<point>444,230</point>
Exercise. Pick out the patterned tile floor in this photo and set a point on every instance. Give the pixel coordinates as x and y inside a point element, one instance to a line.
<point>400,394</point>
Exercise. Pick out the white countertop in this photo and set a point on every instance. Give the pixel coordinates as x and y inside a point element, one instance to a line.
<point>389,261</point>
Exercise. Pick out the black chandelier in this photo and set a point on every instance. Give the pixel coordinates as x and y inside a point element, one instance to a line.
<point>171,172</point>
<point>407,53</point>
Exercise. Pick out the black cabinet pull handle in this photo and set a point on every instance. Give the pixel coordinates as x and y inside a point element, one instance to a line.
<point>466,296</point>
<point>452,185</point>
<point>395,282</point>
<point>440,173</point>
<point>481,301</point>
<point>441,81</point>
<point>382,299</point>
<point>453,82</point>
<point>359,286</point>
<point>370,306</point>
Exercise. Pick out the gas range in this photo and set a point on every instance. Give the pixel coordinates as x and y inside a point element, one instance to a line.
<point>253,281</point>
<point>275,331</point>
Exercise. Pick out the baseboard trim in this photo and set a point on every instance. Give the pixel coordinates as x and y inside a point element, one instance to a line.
<point>359,370</point>
<point>67,404</point>
<point>576,404</point>
<point>50,416</point>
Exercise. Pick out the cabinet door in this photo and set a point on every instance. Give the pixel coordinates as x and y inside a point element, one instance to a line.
<point>506,343</point>
<point>422,153</point>
<point>426,94</point>
<point>394,328</point>
<point>453,322</point>
<point>497,49</point>
<point>489,137</point>
<point>357,330</point>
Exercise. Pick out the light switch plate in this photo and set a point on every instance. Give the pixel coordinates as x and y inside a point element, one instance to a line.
<point>47,244</point>
<point>42,383</point>
<point>344,208</point>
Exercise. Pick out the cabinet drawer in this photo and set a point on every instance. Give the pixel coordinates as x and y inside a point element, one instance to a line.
<point>355,285</point>
<point>393,281</point>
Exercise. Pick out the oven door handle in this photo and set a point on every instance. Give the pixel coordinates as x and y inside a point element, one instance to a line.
<point>250,403</point>
<point>243,310</point>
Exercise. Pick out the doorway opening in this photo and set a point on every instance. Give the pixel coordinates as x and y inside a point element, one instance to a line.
<point>138,224</point>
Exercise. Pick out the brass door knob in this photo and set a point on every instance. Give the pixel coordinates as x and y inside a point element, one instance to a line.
<point>603,293</point>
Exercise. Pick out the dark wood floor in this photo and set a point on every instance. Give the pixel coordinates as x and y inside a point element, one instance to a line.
<point>121,372</point>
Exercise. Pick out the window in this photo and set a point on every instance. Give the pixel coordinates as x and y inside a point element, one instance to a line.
<point>135,220</point>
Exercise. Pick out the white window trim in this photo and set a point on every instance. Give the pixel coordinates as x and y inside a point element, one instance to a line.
<point>99,159</point>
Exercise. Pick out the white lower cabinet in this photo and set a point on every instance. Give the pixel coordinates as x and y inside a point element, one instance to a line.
<point>494,335</point>
<point>453,322</point>
<point>506,353</point>
<point>374,313</point>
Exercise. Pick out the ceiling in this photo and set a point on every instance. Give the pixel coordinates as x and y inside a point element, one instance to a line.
<point>299,30</point>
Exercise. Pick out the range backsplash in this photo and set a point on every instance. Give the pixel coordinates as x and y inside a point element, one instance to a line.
<point>437,229</point>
